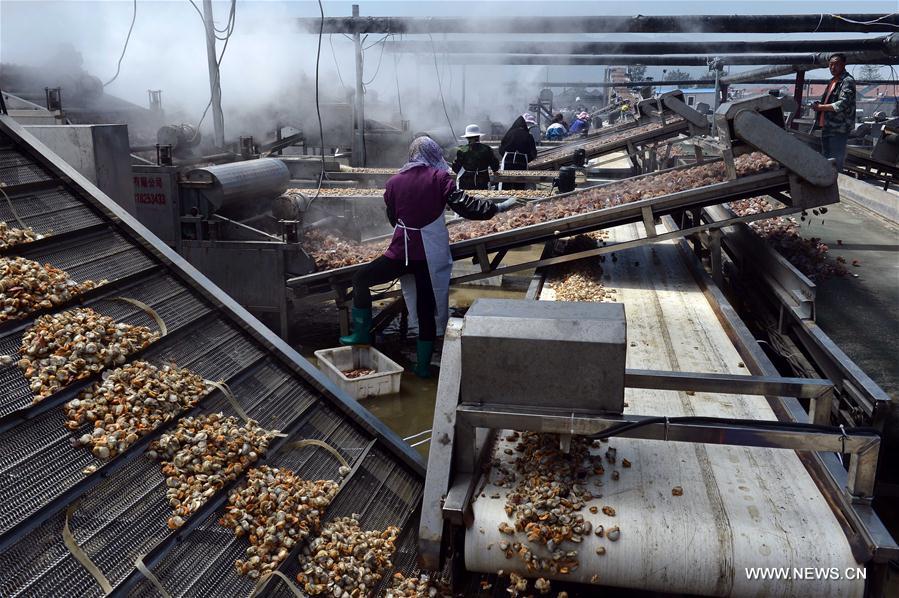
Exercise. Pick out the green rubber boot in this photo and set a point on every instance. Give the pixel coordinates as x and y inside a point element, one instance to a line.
<point>424,350</point>
<point>361,334</point>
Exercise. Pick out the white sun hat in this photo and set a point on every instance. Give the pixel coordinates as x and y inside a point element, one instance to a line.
<point>472,131</point>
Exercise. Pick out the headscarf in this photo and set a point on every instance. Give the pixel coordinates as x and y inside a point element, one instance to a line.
<point>510,134</point>
<point>583,116</point>
<point>424,151</point>
<point>529,118</point>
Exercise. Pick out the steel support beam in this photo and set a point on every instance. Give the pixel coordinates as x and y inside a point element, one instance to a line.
<point>824,23</point>
<point>358,157</point>
<point>862,446</point>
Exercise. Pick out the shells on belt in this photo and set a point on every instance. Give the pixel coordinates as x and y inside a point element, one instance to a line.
<point>27,286</point>
<point>419,586</point>
<point>129,403</point>
<point>64,347</point>
<point>784,234</point>
<point>345,561</point>
<point>330,251</point>
<point>275,510</point>
<point>10,235</point>
<point>549,490</point>
<point>580,280</point>
<point>202,455</point>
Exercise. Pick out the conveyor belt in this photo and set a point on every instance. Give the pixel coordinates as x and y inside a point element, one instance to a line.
<point>759,184</point>
<point>597,147</point>
<point>741,507</point>
<point>120,511</point>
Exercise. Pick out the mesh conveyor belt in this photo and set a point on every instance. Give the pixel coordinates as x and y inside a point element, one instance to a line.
<point>203,564</point>
<point>16,169</point>
<point>125,516</point>
<point>121,513</point>
<point>172,301</point>
<point>37,459</point>
<point>53,211</point>
<point>102,254</point>
<point>381,493</point>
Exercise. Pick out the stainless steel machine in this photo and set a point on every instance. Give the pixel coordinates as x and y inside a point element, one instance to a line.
<point>220,218</point>
<point>495,383</point>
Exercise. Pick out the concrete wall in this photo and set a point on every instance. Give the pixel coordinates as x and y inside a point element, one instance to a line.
<point>99,152</point>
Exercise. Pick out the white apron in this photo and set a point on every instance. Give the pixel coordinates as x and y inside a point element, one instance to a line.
<point>435,238</point>
<point>477,173</point>
<point>502,163</point>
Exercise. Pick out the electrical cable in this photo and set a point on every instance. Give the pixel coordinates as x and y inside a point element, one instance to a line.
<point>118,67</point>
<point>377,69</point>
<point>229,28</point>
<point>396,76</point>
<point>334,56</point>
<point>440,85</point>
<point>874,22</point>
<point>618,429</point>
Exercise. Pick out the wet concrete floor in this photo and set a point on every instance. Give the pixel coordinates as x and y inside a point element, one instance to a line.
<point>861,314</point>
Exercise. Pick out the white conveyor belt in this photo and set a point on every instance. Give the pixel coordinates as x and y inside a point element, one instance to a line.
<point>740,508</point>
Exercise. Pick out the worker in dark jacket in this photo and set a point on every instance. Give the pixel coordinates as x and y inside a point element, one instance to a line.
<point>835,112</point>
<point>517,149</point>
<point>419,253</point>
<point>474,161</point>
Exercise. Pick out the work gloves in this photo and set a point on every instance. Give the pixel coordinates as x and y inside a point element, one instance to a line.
<point>507,205</point>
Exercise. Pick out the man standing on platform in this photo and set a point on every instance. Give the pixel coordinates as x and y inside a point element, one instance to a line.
<point>836,111</point>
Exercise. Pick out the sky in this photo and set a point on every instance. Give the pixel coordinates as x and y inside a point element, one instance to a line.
<point>270,61</point>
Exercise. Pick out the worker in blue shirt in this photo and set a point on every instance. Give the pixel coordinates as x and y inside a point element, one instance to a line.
<point>580,125</point>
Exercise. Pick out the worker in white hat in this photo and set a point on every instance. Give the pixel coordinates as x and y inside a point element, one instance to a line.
<point>474,161</point>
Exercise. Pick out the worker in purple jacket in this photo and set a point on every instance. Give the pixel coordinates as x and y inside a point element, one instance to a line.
<point>419,253</point>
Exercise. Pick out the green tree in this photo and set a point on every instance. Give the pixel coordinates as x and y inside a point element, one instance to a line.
<point>637,72</point>
<point>868,72</point>
<point>677,75</point>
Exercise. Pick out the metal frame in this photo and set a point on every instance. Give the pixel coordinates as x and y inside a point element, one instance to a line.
<point>623,214</point>
<point>869,538</point>
<point>465,431</point>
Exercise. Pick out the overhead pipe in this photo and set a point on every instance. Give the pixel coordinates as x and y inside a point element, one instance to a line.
<point>827,23</point>
<point>765,73</point>
<point>590,48</point>
<point>811,61</point>
<point>677,82</point>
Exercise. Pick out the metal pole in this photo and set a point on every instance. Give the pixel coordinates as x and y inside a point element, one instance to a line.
<point>717,88</point>
<point>358,157</point>
<point>464,69</point>
<point>764,73</point>
<point>797,95</point>
<point>215,88</point>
